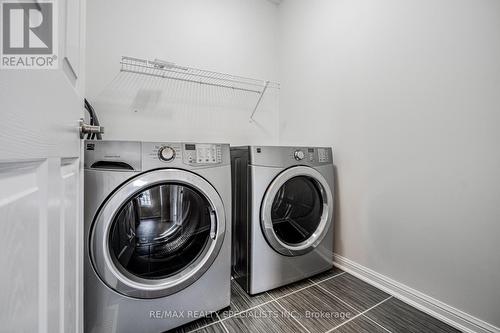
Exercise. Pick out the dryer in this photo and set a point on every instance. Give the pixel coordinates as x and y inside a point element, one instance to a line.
<point>283,208</point>
<point>158,234</point>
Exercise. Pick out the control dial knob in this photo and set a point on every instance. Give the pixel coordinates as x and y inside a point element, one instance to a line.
<point>299,155</point>
<point>166,153</point>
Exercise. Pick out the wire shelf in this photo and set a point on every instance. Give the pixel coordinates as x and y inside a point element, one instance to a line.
<point>169,70</point>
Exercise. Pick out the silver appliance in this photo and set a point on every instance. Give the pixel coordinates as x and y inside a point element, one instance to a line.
<point>158,234</point>
<point>283,209</point>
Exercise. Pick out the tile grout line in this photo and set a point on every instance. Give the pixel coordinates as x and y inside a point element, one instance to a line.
<point>277,298</point>
<point>272,300</point>
<point>373,321</point>
<point>295,319</point>
<point>363,313</point>
<point>264,303</point>
<point>293,292</point>
<point>323,288</point>
<point>358,315</point>
<point>205,326</point>
<point>340,299</point>
<point>328,278</point>
<point>332,294</point>
<point>220,321</point>
<point>243,311</point>
<point>303,288</point>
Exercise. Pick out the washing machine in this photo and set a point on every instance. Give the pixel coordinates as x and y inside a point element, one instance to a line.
<point>158,234</point>
<point>283,209</point>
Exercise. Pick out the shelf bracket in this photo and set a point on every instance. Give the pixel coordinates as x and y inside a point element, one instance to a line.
<point>259,100</point>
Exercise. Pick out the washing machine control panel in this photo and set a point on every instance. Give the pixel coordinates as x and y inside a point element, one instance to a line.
<point>152,155</point>
<point>202,153</point>
<point>196,154</point>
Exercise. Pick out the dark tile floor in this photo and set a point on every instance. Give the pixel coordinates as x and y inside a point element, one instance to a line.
<point>330,302</point>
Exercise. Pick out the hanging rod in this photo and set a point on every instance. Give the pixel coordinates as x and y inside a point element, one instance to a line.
<point>169,70</point>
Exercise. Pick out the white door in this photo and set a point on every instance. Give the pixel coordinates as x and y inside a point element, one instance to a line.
<point>41,287</point>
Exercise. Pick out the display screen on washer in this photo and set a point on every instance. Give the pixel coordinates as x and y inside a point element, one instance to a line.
<point>297,209</point>
<point>160,231</point>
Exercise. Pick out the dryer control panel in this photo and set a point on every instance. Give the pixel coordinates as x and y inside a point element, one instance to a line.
<point>280,156</point>
<point>323,155</point>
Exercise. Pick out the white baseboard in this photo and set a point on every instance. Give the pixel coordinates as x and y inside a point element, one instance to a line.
<point>448,314</point>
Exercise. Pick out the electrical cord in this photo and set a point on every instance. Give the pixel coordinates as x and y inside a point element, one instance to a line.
<point>93,121</point>
<point>91,116</point>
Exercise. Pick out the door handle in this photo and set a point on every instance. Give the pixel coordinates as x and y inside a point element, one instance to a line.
<point>89,129</point>
<point>213,225</point>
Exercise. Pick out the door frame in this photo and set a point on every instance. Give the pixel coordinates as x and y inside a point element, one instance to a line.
<point>132,285</point>
<point>325,221</point>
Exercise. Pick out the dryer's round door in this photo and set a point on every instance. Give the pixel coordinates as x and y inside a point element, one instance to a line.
<point>297,211</point>
<point>158,233</point>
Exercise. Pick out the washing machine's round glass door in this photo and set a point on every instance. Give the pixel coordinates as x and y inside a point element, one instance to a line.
<point>158,233</point>
<point>297,210</point>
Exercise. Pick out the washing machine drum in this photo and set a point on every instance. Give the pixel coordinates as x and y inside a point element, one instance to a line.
<point>157,234</point>
<point>160,230</point>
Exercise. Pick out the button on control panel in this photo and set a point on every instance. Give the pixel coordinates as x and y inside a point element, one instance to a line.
<point>202,154</point>
<point>323,156</point>
<point>310,154</point>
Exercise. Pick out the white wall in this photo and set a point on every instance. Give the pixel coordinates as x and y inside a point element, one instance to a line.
<point>408,94</point>
<point>232,36</point>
